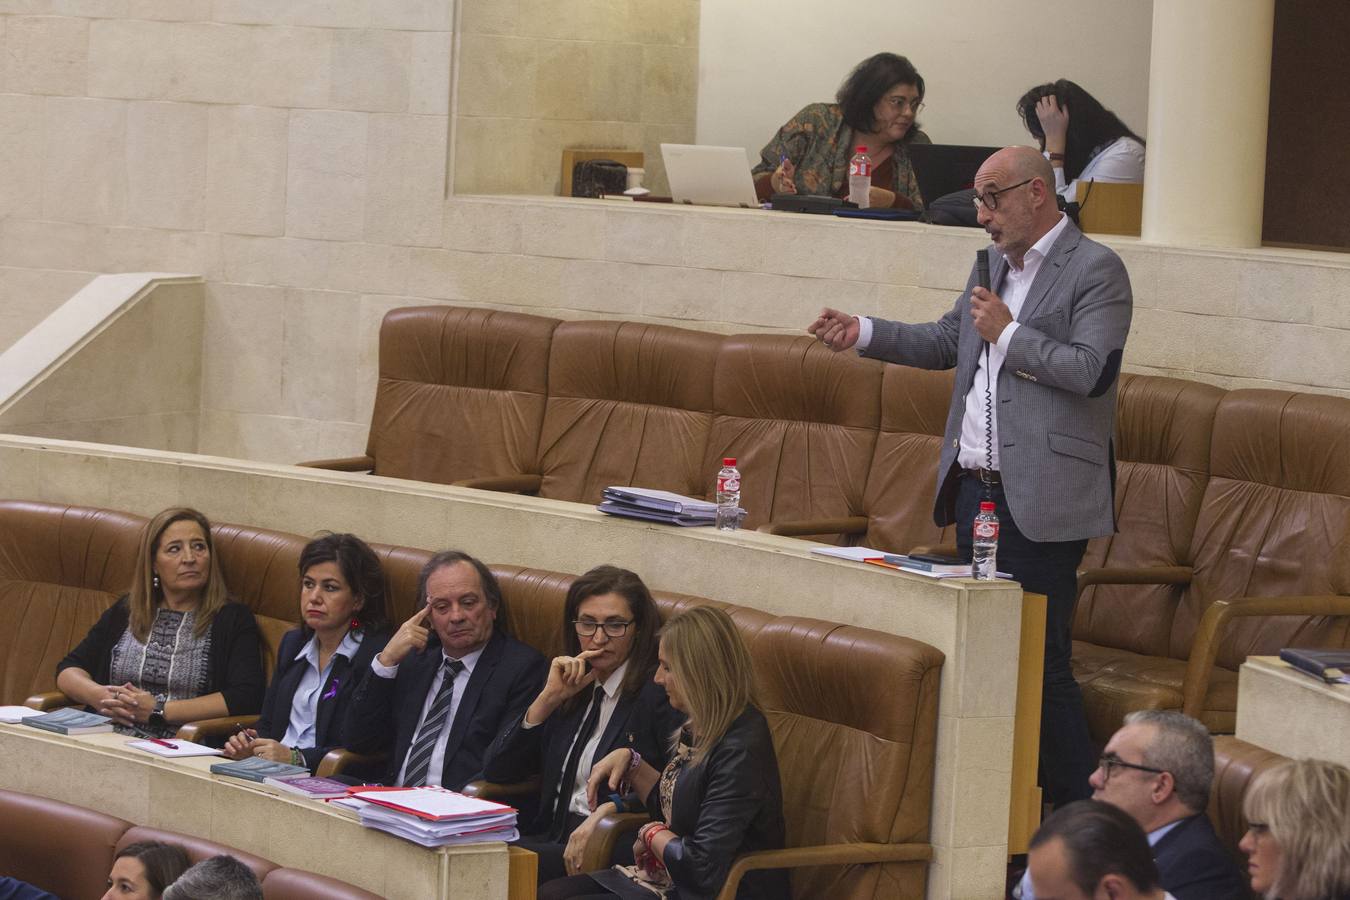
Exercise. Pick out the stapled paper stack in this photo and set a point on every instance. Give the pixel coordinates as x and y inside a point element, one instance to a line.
<point>434,817</point>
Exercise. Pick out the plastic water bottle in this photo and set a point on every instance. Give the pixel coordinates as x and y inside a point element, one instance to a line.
<point>984,565</point>
<point>860,179</point>
<point>728,496</point>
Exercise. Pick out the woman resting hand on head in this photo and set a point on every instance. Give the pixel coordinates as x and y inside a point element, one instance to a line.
<point>175,648</point>
<point>718,797</point>
<point>1083,140</point>
<point>876,108</point>
<point>342,615</point>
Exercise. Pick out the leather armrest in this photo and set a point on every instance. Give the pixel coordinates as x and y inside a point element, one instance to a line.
<point>1135,575</point>
<point>508,484</point>
<point>488,790</point>
<point>204,730</point>
<point>1205,648</point>
<point>935,550</point>
<point>345,464</point>
<point>821,855</point>
<point>337,761</point>
<point>802,527</point>
<point>600,848</point>
<point>48,700</point>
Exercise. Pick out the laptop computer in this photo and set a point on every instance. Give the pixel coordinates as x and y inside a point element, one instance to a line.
<point>709,176</point>
<point>942,169</point>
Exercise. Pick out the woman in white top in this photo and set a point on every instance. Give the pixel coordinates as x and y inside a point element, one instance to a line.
<point>1083,140</point>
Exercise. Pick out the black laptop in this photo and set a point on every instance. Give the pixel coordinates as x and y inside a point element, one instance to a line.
<point>942,169</point>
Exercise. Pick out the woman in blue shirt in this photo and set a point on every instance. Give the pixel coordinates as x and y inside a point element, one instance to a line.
<point>342,614</point>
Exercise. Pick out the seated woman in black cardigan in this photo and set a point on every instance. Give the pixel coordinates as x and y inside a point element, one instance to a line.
<point>342,627</point>
<point>175,648</point>
<point>599,697</point>
<point>718,797</point>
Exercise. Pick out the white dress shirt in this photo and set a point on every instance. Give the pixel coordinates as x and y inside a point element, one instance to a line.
<point>1122,162</point>
<point>1016,285</point>
<point>305,703</point>
<point>608,702</point>
<point>436,766</point>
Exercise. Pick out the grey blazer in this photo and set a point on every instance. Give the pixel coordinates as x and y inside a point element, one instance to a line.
<point>1056,390</point>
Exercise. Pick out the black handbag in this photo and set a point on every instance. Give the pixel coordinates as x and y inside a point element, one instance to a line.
<point>594,177</point>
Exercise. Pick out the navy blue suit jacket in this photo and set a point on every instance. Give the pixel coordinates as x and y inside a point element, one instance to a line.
<point>334,699</point>
<point>1193,865</point>
<point>385,711</point>
<point>645,722</point>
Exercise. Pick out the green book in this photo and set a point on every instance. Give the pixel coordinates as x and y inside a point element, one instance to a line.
<point>255,768</point>
<point>70,721</point>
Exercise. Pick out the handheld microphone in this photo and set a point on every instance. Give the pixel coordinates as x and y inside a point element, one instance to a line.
<point>982,269</point>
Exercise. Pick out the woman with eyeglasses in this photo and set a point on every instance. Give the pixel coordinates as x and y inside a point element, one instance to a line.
<point>876,108</point>
<point>599,697</point>
<point>1298,831</point>
<point>1083,140</point>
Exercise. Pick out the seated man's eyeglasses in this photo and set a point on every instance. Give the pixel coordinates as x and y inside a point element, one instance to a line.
<point>1110,761</point>
<point>989,199</point>
<point>588,627</point>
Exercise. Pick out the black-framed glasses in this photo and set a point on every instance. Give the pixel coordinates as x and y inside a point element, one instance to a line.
<point>989,199</point>
<point>1110,761</point>
<point>614,629</point>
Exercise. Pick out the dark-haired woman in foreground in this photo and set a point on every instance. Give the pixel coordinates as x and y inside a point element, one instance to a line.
<point>718,797</point>
<point>141,871</point>
<point>318,664</point>
<point>876,107</point>
<point>1083,140</point>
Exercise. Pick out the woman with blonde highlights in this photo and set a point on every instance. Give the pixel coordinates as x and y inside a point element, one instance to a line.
<point>174,648</point>
<point>1298,833</point>
<point>719,796</point>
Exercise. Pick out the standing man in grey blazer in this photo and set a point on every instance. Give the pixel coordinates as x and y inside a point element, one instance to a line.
<point>1051,331</point>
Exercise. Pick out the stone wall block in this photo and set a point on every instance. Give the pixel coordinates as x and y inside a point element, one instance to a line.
<point>246,170</point>
<point>166,165</point>
<point>497,76</point>
<point>45,55</point>
<point>669,84</point>
<point>326,169</point>
<point>371,70</point>
<point>405,179</point>
<point>21,155</point>
<point>429,73</point>
<point>84,170</point>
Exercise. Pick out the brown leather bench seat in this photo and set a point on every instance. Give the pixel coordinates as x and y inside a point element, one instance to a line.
<point>68,851</point>
<point>857,772</point>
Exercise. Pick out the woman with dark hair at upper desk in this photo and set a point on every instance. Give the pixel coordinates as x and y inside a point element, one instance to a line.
<point>876,107</point>
<point>1083,140</point>
<point>342,628</point>
<point>175,648</point>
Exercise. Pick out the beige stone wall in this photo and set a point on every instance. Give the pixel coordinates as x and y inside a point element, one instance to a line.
<point>538,76</point>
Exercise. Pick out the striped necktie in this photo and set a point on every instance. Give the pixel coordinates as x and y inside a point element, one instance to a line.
<point>419,757</point>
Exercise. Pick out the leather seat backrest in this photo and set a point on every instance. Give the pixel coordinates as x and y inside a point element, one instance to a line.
<point>402,570</point>
<point>294,884</point>
<point>260,567</point>
<point>67,850</point>
<point>802,422</point>
<point>902,479</point>
<point>628,404</point>
<point>460,393</point>
<point>196,848</point>
<point>1274,520</point>
<point>535,599</point>
<point>61,567</point>
<point>1236,765</point>
<point>819,686</point>
<point>1164,427</point>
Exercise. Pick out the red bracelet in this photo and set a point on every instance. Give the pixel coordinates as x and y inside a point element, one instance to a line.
<point>651,830</point>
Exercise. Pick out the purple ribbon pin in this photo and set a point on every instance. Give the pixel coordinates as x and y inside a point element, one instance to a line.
<point>332,690</point>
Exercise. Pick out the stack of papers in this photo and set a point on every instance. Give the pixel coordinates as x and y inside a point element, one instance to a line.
<point>658,506</point>
<point>434,817</point>
<point>13,715</point>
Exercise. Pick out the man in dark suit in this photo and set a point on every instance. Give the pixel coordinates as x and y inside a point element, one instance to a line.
<point>1159,768</point>
<point>447,682</point>
<point>1035,438</point>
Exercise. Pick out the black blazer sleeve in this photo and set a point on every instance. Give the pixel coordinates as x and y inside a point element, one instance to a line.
<point>518,752</point>
<point>736,790</point>
<point>237,659</point>
<point>273,721</point>
<point>94,652</point>
<point>369,724</point>
<point>328,728</point>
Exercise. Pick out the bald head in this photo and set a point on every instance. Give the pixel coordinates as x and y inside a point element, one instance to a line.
<point>1026,207</point>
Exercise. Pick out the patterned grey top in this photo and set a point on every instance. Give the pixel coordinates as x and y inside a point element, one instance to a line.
<point>174,661</point>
